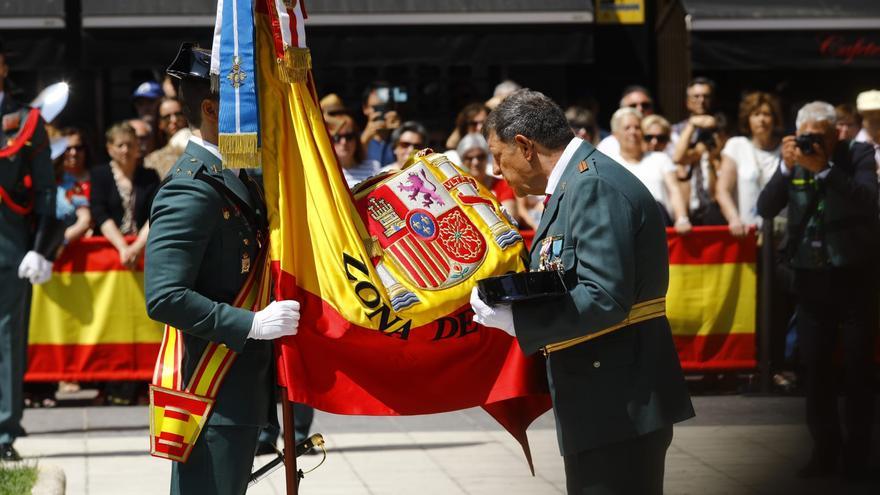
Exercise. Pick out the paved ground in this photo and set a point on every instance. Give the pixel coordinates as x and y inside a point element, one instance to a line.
<point>736,445</point>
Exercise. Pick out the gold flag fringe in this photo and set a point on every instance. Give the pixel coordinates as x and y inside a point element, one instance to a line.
<point>295,65</point>
<point>239,150</point>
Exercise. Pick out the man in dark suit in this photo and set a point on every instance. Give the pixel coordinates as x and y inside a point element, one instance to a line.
<point>614,374</point>
<point>830,188</point>
<point>29,237</point>
<point>206,226</point>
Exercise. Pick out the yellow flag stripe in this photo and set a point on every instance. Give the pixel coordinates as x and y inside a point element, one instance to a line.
<point>92,308</point>
<point>708,299</point>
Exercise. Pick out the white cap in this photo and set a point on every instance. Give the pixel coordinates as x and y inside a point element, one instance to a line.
<point>868,101</point>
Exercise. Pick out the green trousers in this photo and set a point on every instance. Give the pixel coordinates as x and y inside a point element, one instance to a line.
<point>220,463</point>
<point>14,294</point>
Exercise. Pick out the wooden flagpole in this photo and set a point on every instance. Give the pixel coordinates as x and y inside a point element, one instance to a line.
<point>287,429</point>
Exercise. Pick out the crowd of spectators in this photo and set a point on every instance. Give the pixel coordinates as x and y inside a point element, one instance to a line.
<point>706,169</point>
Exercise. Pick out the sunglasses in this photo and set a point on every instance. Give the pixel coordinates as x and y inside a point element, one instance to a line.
<point>646,105</point>
<point>348,136</point>
<point>78,147</point>
<point>660,138</point>
<point>336,113</point>
<point>480,158</point>
<point>404,144</point>
<point>166,118</point>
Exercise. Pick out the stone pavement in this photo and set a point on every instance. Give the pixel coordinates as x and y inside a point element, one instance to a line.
<point>736,445</point>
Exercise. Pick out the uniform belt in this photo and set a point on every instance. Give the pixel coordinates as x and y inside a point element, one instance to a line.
<point>640,312</point>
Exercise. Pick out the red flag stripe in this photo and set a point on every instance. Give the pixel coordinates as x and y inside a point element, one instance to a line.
<point>413,251</point>
<point>711,245</point>
<point>429,259</point>
<point>439,257</point>
<point>402,259</point>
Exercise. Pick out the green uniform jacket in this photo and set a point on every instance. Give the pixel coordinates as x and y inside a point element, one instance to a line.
<point>605,228</point>
<point>194,270</point>
<point>16,231</point>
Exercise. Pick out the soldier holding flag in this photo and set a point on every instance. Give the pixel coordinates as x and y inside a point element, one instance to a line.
<point>206,237</point>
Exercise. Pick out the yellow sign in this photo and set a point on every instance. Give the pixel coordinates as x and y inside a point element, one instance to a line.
<point>620,11</point>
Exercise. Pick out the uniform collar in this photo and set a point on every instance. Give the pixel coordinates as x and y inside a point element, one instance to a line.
<point>559,168</point>
<point>212,148</point>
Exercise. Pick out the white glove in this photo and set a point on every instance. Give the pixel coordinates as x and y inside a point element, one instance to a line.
<point>278,319</point>
<point>499,316</point>
<point>44,274</point>
<point>35,267</point>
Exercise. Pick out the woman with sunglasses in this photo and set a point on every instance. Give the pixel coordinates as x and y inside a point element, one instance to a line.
<point>656,131</point>
<point>74,186</point>
<point>654,169</point>
<point>469,120</point>
<point>351,154</point>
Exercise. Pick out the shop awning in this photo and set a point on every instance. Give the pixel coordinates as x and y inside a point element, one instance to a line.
<point>174,13</point>
<point>780,34</point>
<point>32,14</point>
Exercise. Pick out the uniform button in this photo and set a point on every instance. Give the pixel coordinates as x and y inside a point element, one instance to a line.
<point>596,364</point>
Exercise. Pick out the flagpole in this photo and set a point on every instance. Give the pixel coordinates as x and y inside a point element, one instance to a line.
<point>287,429</point>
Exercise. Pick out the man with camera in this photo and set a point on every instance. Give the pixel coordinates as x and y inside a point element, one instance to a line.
<point>380,109</point>
<point>830,188</point>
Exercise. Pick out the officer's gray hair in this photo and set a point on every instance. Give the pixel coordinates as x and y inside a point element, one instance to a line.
<point>620,114</point>
<point>533,115</point>
<point>816,111</point>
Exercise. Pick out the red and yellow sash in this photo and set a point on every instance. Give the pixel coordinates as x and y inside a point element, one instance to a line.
<point>178,413</point>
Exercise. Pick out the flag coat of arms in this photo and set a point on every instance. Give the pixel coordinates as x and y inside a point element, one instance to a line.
<point>383,276</point>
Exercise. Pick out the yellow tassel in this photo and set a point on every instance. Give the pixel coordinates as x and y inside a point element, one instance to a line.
<point>373,247</point>
<point>295,65</point>
<point>239,150</point>
<point>242,160</point>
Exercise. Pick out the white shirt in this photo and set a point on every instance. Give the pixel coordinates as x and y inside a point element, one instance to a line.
<point>559,168</point>
<point>213,149</point>
<point>754,168</point>
<point>863,137</point>
<point>651,171</point>
<point>609,145</point>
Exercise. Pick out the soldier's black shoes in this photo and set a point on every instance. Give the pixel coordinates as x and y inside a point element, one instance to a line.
<point>8,453</point>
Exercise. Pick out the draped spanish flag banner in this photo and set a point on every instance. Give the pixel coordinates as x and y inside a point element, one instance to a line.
<point>712,298</point>
<point>89,322</point>
<point>384,277</point>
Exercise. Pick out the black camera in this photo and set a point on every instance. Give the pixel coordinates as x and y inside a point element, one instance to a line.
<point>705,136</point>
<point>805,142</point>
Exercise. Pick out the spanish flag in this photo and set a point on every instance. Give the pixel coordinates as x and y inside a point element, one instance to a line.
<point>712,298</point>
<point>88,322</point>
<point>384,276</point>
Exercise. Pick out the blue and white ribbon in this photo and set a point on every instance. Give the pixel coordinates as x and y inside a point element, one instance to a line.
<point>237,78</point>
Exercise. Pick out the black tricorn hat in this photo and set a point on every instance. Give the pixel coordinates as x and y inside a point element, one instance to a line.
<point>526,286</point>
<point>191,62</point>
